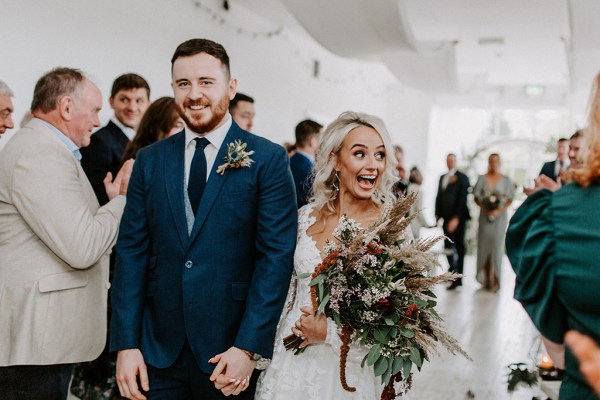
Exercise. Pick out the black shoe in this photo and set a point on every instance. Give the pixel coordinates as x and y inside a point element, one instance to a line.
<point>454,285</point>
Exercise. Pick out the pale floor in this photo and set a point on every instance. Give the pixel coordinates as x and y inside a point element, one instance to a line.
<point>493,329</point>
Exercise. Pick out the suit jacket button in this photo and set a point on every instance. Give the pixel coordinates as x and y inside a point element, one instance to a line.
<point>107,285</point>
<point>189,264</point>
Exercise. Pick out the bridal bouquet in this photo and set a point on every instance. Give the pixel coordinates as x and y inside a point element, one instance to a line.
<point>377,289</point>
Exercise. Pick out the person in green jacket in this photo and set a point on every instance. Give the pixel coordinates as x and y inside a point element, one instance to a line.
<point>553,243</point>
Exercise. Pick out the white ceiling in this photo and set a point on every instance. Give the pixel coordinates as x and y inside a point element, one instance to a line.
<point>481,50</point>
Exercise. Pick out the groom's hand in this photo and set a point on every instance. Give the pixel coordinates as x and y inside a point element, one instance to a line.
<point>130,364</point>
<point>233,371</point>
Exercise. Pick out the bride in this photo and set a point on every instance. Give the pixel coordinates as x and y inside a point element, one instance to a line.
<point>353,174</point>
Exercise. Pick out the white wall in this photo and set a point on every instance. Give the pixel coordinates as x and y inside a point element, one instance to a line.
<point>106,38</point>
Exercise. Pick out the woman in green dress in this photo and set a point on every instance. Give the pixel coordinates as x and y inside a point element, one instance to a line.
<point>494,193</point>
<point>553,243</point>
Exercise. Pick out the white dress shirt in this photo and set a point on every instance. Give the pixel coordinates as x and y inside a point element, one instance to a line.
<point>447,177</point>
<point>215,138</point>
<point>129,132</point>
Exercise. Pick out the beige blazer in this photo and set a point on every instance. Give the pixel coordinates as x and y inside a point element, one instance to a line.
<point>54,247</point>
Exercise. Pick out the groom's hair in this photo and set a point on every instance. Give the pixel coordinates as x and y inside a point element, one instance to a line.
<point>196,46</point>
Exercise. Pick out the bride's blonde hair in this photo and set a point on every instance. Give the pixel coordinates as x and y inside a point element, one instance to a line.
<point>324,190</point>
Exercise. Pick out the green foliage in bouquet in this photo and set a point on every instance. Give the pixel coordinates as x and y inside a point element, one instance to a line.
<point>377,288</point>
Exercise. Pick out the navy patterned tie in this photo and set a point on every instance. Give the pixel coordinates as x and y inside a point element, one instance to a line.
<point>197,180</point>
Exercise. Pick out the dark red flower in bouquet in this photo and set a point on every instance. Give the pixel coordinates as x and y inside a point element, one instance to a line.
<point>384,305</point>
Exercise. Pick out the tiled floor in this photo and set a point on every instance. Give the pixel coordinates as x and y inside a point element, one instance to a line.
<point>494,330</point>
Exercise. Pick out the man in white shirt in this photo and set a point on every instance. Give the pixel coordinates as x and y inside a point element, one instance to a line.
<point>129,98</point>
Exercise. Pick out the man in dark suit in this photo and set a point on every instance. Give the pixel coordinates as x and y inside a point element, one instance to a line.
<point>552,168</point>
<point>451,207</point>
<point>302,162</point>
<point>205,249</point>
<point>129,98</point>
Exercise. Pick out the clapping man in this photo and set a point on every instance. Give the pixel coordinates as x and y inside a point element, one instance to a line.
<point>54,241</point>
<point>205,251</point>
<point>129,98</point>
<point>553,168</point>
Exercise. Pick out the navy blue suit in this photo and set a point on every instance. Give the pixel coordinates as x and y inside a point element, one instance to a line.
<point>225,284</point>
<point>103,155</point>
<point>302,167</point>
<point>548,169</point>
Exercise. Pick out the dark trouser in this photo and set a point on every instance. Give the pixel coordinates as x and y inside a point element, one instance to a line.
<point>185,381</point>
<point>455,242</point>
<point>47,382</point>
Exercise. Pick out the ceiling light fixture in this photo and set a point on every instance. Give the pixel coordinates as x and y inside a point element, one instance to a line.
<point>534,90</point>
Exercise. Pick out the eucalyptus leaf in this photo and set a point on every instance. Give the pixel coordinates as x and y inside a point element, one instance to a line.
<point>397,365</point>
<point>304,275</point>
<point>407,333</point>
<point>319,279</point>
<point>323,303</point>
<point>415,356</point>
<point>385,378</point>
<point>394,331</point>
<point>389,321</point>
<point>381,365</point>
<point>374,354</point>
<point>364,360</point>
<point>406,367</point>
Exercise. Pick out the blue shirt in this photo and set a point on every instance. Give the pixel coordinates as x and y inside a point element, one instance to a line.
<point>68,142</point>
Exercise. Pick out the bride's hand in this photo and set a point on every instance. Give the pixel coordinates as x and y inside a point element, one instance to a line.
<point>311,327</point>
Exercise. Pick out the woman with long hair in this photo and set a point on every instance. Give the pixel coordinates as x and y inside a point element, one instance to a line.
<point>353,177</point>
<point>493,193</point>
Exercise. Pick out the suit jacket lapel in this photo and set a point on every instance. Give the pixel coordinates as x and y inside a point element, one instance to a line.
<point>215,183</point>
<point>174,177</point>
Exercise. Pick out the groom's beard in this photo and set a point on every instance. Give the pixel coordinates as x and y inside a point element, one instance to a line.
<point>196,124</point>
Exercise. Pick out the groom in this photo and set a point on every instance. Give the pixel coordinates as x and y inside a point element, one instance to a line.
<point>204,258</point>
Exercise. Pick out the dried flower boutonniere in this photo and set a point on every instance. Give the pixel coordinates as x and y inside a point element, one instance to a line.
<point>236,157</point>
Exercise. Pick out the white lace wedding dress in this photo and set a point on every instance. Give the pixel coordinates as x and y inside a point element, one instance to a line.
<point>315,373</point>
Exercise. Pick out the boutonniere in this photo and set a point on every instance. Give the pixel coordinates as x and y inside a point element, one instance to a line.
<point>453,179</point>
<point>236,157</point>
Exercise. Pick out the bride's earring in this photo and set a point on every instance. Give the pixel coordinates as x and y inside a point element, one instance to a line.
<point>335,180</point>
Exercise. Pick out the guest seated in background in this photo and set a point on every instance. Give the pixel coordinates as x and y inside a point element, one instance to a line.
<point>160,121</point>
<point>301,163</point>
<point>129,98</point>
<point>242,111</point>
<point>6,108</point>
<point>415,180</point>
<point>552,243</point>
<point>494,193</point>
